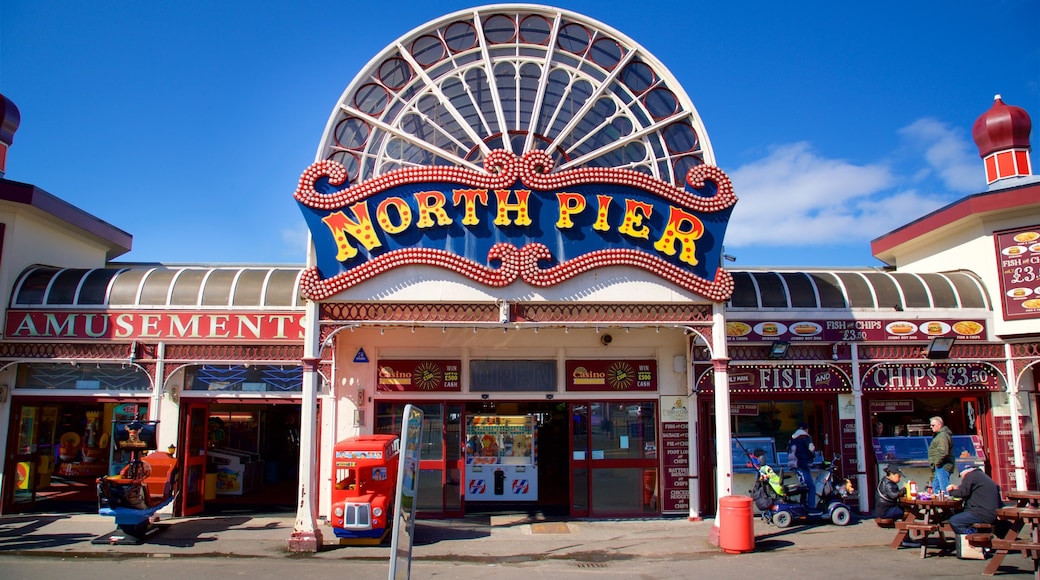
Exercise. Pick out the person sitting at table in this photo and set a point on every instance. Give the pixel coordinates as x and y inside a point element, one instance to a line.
<point>981,500</point>
<point>886,500</point>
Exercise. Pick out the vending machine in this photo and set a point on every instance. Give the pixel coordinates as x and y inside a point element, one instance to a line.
<point>501,458</point>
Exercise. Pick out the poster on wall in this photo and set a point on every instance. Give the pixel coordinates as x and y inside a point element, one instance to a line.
<point>1004,454</point>
<point>675,437</point>
<point>1018,253</point>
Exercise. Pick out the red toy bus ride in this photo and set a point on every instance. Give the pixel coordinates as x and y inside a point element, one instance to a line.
<point>366,469</point>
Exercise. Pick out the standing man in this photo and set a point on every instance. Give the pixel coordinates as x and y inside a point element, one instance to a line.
<point>940,454</point>
<point>803,450</point>
<point>981,500</point>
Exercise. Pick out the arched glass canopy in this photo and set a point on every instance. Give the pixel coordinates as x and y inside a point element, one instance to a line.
<point>515,77</point>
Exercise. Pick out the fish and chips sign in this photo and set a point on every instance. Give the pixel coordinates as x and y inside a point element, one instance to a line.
<point>516,220</point>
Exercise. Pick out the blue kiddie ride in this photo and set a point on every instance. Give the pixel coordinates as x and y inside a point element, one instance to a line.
<point>148,482</point>
<point>784,503</point>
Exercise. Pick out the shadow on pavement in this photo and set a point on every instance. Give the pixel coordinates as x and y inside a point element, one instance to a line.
<point>16,533</point>
<point>185,534</point>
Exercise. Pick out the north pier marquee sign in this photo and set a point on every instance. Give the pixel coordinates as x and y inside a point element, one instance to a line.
<point>516,220</point>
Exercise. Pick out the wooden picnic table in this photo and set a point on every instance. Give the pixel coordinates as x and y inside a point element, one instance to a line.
<point>923,518</point>
<point>1026,512</point>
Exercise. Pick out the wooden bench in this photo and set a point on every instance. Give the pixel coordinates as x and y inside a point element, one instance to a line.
<point>980,540</point>
<point>885,522</point>
<point>1028,549</point>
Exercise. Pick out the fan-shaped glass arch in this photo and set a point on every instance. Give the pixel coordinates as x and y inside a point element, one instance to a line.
<point>515,77</point>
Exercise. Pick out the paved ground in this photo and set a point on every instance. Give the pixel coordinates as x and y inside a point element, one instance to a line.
<point>859,550</point>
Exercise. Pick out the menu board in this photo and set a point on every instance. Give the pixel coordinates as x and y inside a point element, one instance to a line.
<point>859,330</point>
<point>1018,254</point>
<point>674,481</point>
<point>1004,453</point>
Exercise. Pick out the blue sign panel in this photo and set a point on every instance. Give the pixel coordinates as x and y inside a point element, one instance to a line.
<point>516,221</point>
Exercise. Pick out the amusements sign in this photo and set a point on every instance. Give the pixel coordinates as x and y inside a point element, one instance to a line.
<point>1018,253</point>
<point>407,493</point>
<point>419,375</point>
<point>932,377</point>
<point>675,431</point>
<point>515,220</point>
<point>173,325</point>
<point>612,375</point>
<point>853,330</point>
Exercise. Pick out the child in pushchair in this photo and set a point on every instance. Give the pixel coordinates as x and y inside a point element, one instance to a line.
<point>769,487</point>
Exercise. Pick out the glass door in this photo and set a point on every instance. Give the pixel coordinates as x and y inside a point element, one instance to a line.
<point>23,460</point>
<point>193,444</point>
<point>580,461</point>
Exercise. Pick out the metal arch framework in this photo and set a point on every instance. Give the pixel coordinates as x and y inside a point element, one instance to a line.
<point>515,77</point>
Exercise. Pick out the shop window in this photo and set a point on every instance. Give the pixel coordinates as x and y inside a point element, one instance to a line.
<point>263,378</point>
<point>88,376</point>
<point>623,430</point>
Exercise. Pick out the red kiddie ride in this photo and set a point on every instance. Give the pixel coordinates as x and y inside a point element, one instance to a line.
<point>365,486</point>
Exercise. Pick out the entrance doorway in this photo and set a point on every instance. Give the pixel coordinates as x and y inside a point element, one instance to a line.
<point>240,457</point>
<point>442,479</point>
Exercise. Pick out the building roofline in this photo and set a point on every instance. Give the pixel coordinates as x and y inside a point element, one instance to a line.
<point>974,205</point>
<point>119,242</point>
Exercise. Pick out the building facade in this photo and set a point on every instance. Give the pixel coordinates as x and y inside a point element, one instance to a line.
<point>517,225</point>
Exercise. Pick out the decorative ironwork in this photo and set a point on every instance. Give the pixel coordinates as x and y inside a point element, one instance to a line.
<point>288,353</point>
<point>419,313</point>
<point>521,312</point>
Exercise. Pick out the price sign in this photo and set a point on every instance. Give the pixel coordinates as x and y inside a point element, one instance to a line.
<point>1018,255</point>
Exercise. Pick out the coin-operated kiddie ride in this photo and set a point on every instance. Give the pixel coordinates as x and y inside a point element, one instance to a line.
<point>149,482</point>
<point>366,468</point>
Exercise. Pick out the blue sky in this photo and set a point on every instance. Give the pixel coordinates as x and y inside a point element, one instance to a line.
<point>188,123</point>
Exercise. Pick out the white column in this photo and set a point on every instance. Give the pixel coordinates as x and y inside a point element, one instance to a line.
<point>723,433</point>
<point>306,537</point>
<point>693,487</point>
<point>862,431</point>
<point>1019,461</point>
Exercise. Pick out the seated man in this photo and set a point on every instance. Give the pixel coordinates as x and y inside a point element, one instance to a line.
<point>981,500</point>
<point>886,501</point>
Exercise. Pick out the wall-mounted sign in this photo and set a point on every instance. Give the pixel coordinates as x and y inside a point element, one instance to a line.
<point>781,379</point>
<point>675,436</point>
<point>612,375</point>
<point>194,326</point>
<point>932,377</point>
<point>419,375</point>
<point>1018,254</point>
<point>893,406</point>
<point>516,220</point>
<point>853,330</point>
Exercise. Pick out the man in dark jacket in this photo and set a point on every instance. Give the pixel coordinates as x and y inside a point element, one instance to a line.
<point>940,454</point>
<point>981,500</point>
<point>804,452</point>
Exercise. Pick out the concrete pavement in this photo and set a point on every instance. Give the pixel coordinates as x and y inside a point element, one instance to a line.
<point>497,539</point>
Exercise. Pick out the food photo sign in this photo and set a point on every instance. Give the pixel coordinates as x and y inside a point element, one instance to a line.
<point>853,330</point>
<point>1018,254</point>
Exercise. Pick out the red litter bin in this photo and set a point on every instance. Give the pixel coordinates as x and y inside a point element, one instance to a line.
<point>736,524</point>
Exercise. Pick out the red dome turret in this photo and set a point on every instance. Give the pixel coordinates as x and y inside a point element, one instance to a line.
<point>1002,136</point>
<point>9,119</point>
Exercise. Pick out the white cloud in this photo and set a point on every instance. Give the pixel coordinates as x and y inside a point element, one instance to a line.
<point>796,198</point>
<point>948,153</point>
